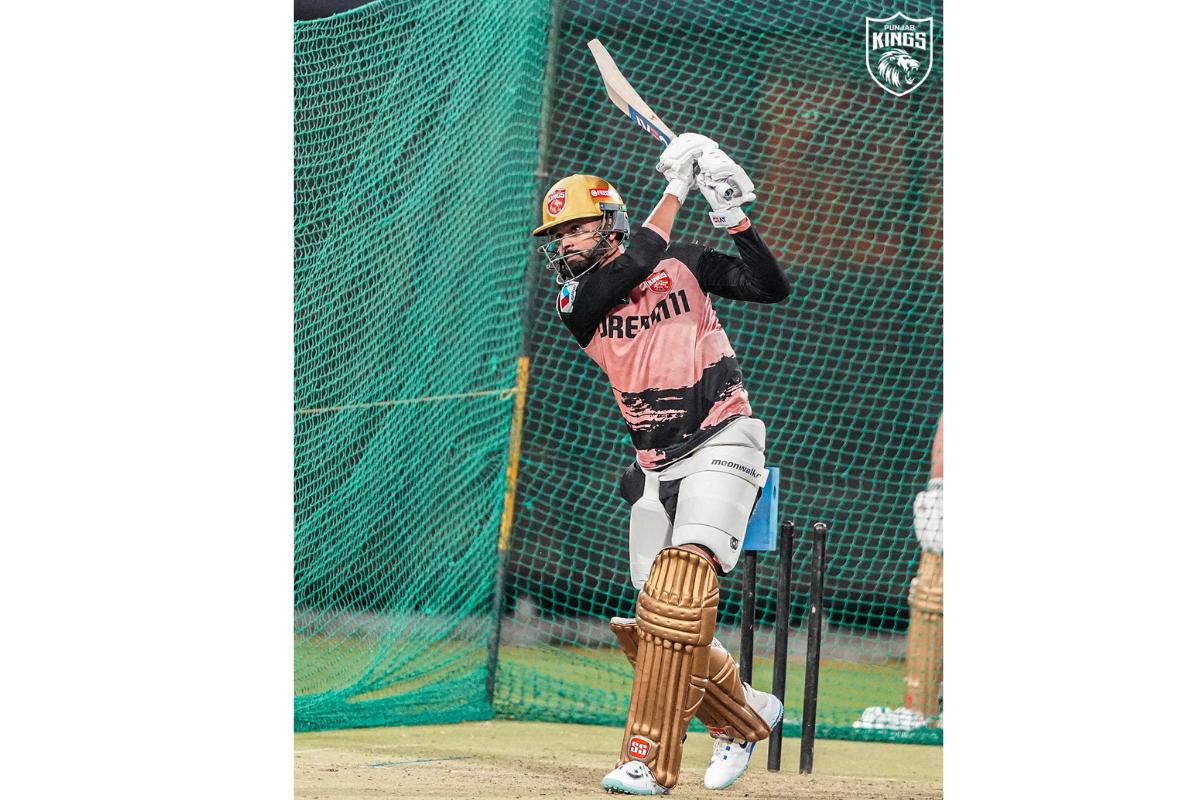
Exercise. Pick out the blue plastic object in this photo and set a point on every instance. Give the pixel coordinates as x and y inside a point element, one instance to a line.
<point>762,532</point>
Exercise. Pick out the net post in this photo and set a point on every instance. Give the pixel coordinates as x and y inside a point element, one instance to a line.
<point>510,499</point>
<point>783,605</point>
<point>749,579</point>
<point>812,665</point>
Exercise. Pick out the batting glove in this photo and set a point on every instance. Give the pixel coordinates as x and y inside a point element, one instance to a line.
<point>725,186</point>
<point>678,162</point>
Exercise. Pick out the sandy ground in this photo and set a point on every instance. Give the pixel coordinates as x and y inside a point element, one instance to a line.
<point>506,759</point>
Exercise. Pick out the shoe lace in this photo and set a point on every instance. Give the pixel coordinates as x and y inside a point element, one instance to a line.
<point>723,746</point>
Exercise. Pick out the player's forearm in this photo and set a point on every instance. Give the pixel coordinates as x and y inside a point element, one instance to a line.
<point>663,216</point>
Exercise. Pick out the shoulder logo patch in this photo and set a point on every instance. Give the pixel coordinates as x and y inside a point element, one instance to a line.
<point>659,282</point>
<point>566,297</point>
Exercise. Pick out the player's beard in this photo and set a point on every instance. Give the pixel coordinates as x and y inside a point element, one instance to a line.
<point>591,258</point>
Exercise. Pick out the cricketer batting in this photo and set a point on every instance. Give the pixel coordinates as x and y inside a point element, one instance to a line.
<point>640,306</point>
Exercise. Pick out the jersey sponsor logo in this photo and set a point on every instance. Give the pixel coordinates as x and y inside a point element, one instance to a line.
<point>556,201</point>
<point>619,326</point>
<point>600,192</point>
<point>639,747</point>
<point>566,297</point>
<point>659,282</point>
<point>899,52</point>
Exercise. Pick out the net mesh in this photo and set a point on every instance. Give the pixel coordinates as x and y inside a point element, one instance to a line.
<point>416,128</point>
<point>425,136</point>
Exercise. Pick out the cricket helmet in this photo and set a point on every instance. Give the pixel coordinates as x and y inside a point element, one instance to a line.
<point>581,197</point>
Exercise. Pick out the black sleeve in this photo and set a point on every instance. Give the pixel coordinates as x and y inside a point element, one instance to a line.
<point>756,276</point>
<point>606,286</point>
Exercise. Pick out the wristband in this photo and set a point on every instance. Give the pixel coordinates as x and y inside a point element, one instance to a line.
<point>727,218</point>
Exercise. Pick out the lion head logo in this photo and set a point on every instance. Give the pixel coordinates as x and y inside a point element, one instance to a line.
<point>897,68</point>
<point>899,55</point>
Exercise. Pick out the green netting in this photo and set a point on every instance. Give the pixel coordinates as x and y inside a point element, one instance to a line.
<point>416,130</point>
<point>415,291</point>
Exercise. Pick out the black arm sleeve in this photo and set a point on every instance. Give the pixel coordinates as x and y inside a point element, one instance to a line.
<point>606,286</point>
<point>756,276</point>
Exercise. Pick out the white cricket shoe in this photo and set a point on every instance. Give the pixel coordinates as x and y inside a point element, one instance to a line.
<point>632,777</point>
<point>731,756</point>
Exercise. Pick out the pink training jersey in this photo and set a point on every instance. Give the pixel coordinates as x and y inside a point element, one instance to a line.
<point>647,319</point>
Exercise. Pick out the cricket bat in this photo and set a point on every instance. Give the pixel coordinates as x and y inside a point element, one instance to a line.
<point>632,104</point>
<point>625,98</point>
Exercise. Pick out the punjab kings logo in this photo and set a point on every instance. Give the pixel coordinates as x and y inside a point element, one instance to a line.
<point>899,52</point>
<point>556,201</point>
<point>639,747</point>
<point>659,282</point>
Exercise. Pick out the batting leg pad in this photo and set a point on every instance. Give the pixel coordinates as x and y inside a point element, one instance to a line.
<point>676,617</point>
<point>923,664</point>
<point>724,709</point>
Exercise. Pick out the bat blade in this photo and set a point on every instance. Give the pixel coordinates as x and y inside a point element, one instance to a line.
<point>625,98</point>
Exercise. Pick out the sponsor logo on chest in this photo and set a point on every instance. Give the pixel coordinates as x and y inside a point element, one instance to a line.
<point>627,326</point>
